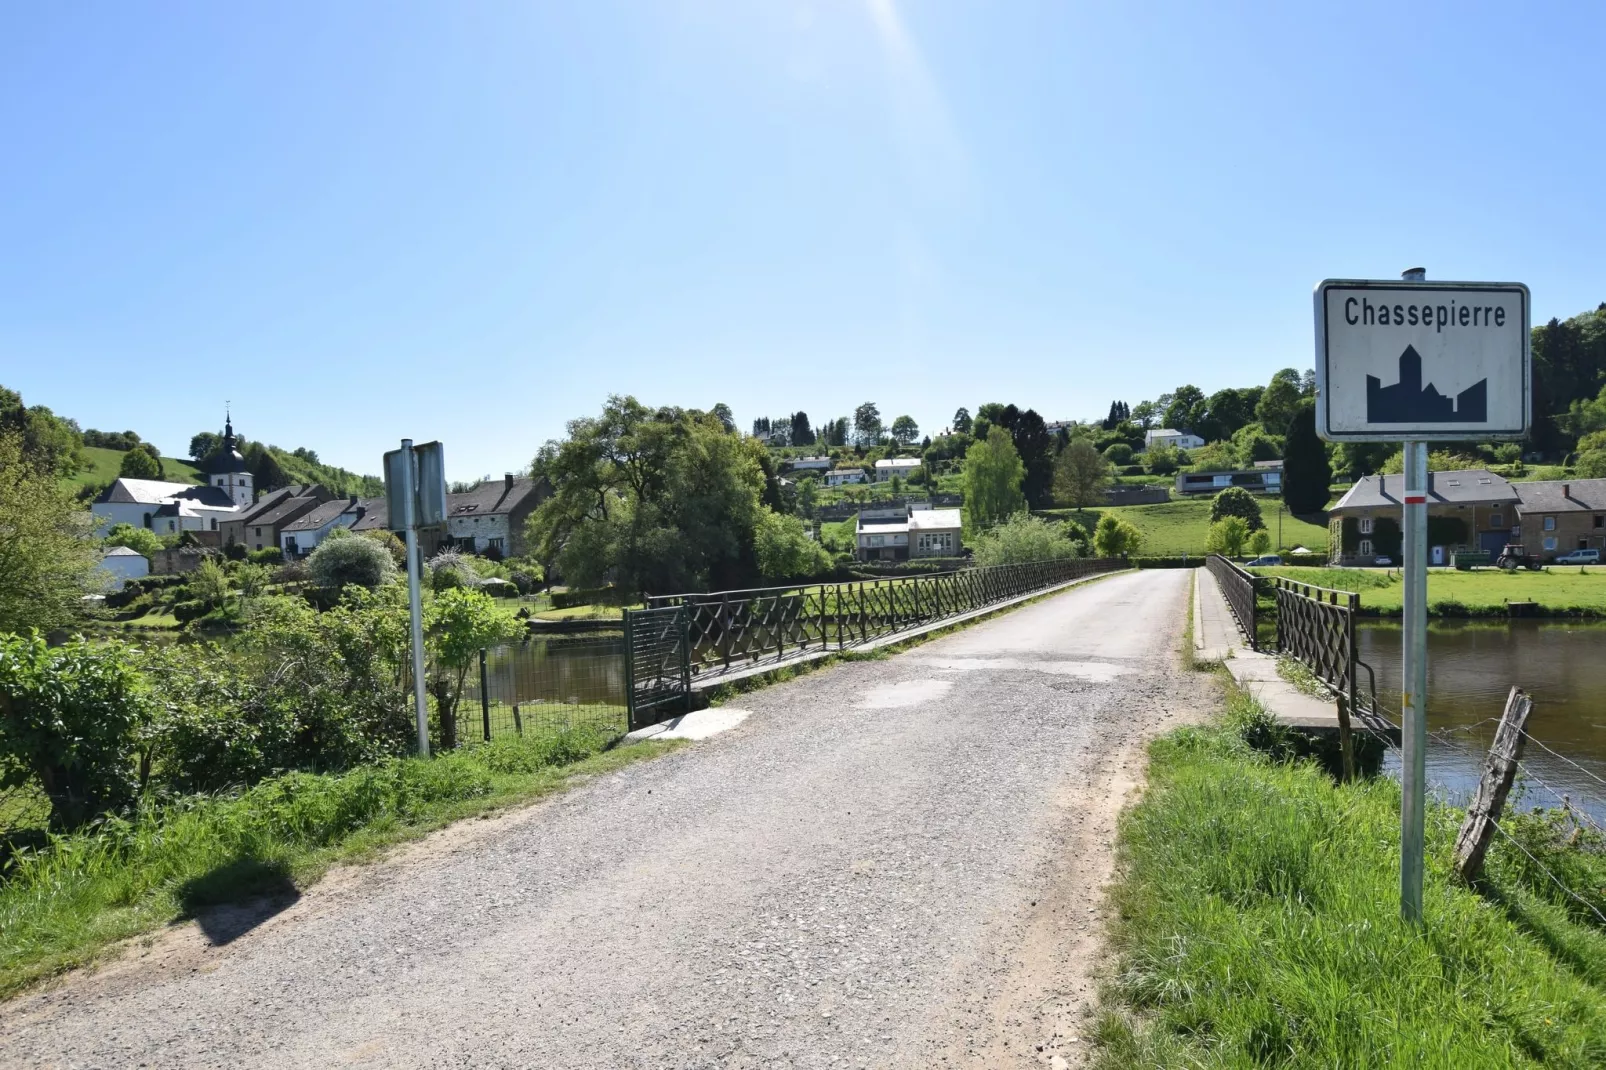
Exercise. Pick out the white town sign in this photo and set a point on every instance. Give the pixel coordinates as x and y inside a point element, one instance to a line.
<point>1428,361</point>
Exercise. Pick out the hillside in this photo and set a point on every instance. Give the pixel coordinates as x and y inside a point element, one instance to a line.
<point>104,465</point>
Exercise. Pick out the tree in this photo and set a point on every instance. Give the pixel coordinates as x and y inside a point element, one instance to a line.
<point>802,433</point>
<point>993,477</point>
<point>1227,536</point>
<point>867,424</point>
<point>905,430</point>
<point>1591,464</point>
<point>1163,459</point>
<point>344,558</point>
<point>1081,475</point>
<point>1144,414</point>
<point>48,441</point>
<point>1225,413</point>
<point>68,721</point>
<point>1187,409</point>
<point>460,623</point>
<point>47,560</point>
<point>785,551</point>
<point>1114,537</point>
<point>1280,401</point>
<point>722,413</point>
<point>141,462</point>
<point>652,500</point>
<point>1260,542</point>
<point>1235,501</point>
<point>962,420</point>
<point>1118,453</point>
<point>1306,473</point>
<point>1036,448</point>
<point>1024,538</point>
<point>204,444</point>
<point>140,540</point>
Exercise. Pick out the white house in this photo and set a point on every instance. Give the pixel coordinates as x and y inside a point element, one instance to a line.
<point>836,477</point>
<point>888,467</point>
<point>810,464</point>
<point>122,565</point>
<point>169,508</point>
<point>302,535</point>
<point>1165,436</point>
<point>899,532</point>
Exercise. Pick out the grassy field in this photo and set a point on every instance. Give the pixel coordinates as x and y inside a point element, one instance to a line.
<point>1259,925</point>
<point>104,463</point>
<point>63,905</point>
<point>1560,590</point>
<point>1181,527</point>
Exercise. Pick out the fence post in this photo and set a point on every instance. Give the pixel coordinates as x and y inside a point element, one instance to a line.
<point>862,621</point>
<point>1346,700</point>
<point>725,629</point>
<point>630,676</point>
<point>683,629</point>
<point>1472,842</point>
<point>485,697</point>
<point>824,645</point>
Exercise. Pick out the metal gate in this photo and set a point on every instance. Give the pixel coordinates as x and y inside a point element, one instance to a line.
<point>657,664</point>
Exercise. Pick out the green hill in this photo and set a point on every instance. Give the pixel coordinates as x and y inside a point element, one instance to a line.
<point>1181,527</point>
<point>104,465</point>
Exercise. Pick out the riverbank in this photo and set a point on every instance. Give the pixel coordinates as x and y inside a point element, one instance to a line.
<point>64,904</point>
<point>1557,591</point>
<point>1258,922</point>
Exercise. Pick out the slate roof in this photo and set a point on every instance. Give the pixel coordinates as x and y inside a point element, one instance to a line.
<point>225,462</point>
<point>1582,496</point>
<point>271,500</point>
<point>375,515</point>
<point>282,513</point>
<point>122,551</point>
<point>155,491</point>
<point>1472,486</point>
<point>492,497</point>
<point>322,515</point>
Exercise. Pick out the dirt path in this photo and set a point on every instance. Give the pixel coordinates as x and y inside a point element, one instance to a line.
<point>890,863</point>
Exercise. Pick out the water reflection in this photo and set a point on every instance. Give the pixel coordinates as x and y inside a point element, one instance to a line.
<point>1471,667</point>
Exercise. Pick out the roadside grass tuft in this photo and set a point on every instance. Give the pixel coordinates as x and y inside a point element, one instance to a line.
<point>1258,925</point>
<point>63,904</point>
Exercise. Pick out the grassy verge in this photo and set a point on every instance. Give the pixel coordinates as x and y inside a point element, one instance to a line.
<point>1258,925</point>
<point>1182,527</point>
<point>1558,590</point>
<point>65,904</point>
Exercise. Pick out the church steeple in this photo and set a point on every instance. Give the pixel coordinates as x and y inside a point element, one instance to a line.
<point>226,469</point>
<point>228,431</point>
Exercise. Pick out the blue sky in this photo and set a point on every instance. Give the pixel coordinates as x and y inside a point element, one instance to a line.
<point>472,222</point>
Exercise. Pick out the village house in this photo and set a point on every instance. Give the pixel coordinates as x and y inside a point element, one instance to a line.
<point>837,477</point>
<point>301,536</point>
<point>809,464</point>
<point>1258,480</point>
<point>1165,436</point>
<point>490,518</point>
<point>122,564</point>
<point>899,532</point>
<point>888,467</point>
<point>1471,509</point>
<point>170,508</point>
<point>259,527</point>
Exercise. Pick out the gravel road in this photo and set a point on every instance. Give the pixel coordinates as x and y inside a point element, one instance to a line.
<point>889,863</point>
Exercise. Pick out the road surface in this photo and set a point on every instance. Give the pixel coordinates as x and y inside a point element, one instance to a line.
<point>889,863</point>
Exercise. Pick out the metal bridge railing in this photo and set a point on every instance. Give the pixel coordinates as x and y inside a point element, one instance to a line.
<point>735,629</point>
<point>1316,626</point>
<point>1240,589</point>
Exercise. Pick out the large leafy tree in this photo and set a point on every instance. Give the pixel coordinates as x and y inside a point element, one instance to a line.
<point>905,430</point>
<point>1082,474</point>
<point>1280,401</point>
<point>1033,444</point>
<point>962,421</point>
<point>653,500</point>
<point>48,441</point>
<point>1306,472</point>
<point>802,433</point>
<point>1186,412</point>
<point>1235,501</point>
<point>993,477</point>
<point>141,462</point>
<point>47,560</point>
<point>867,424</point>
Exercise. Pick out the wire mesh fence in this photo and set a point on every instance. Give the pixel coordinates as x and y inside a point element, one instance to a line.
<point>543,684</point>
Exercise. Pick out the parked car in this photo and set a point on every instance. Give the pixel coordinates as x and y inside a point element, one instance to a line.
<point>1265,561</point>
<point>1580,557</point>
<point>1382,560</point>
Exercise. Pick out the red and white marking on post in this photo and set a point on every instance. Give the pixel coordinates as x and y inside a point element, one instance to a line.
<point>1416,499</point>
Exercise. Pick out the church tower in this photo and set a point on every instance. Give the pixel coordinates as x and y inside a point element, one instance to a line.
<point>227,470</point>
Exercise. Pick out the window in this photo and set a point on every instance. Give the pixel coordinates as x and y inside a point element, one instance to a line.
<point>1550,542</point>
<point>214,523</point>
<point>1550,523</point>
<point>1495,519</point>
<point>1366,527</point>
<point>1366,547</point>
<point>494,544</point>
<point>259,531</point>
<point>877,540</point>
<point>1600,521</point>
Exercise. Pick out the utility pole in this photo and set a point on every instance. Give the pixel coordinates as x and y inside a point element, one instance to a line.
<point>1414,670</point>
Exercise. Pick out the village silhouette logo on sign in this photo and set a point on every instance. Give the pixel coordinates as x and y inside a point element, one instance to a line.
<point>1421,360</point>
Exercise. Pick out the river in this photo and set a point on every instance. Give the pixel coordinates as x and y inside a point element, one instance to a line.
<point>1471,667</point>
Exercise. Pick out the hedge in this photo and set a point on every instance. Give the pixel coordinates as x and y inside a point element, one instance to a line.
<point>1185,561</point>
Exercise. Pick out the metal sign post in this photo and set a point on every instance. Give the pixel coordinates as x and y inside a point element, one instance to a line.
<point>1419,362</point>
<point>414,500</point>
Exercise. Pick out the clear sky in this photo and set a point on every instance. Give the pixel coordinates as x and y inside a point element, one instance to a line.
<point>473,221</point>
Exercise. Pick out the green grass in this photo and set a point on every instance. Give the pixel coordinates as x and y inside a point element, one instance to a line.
<point>1560,590</point>
<point>63,905</point>
<point>1258,925</point>
<point>104,464</point>
<point>1182,527</point>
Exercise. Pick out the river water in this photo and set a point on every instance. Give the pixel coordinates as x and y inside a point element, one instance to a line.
<point>1471,667</point>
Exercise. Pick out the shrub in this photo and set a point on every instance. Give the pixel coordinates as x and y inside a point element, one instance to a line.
<point>1235,501</point>
<point>1114,537</point>
<point>235,551</point>
<point>1024,538</point>
<point>1260,542</point>
<point>343,559</point>
<point>1119,453</point>
<point>68,720</point>
<point>524,581</point>
<point>1132,470</point>
<point>449,570</point>
<point>784,549</point>
<point>140,540</point>
<point>190,609</point>
<point>269,555</point>
<point>1227,536</point>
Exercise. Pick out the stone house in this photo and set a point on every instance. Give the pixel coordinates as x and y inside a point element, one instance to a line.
<point>1560,516</point>
<point>490,518</point>
<point>301,536</point>
<point>259,527</point>
<point>899,532</point>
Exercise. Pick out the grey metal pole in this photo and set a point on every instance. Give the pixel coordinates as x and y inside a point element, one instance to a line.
<point>415,598</point>
<point>1414,671</point>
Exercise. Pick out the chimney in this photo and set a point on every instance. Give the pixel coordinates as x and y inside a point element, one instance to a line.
<point>1566,490</point>
<point>508,481</point>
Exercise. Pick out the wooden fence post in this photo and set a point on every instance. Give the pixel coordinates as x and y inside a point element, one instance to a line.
<point>1472,842</point>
